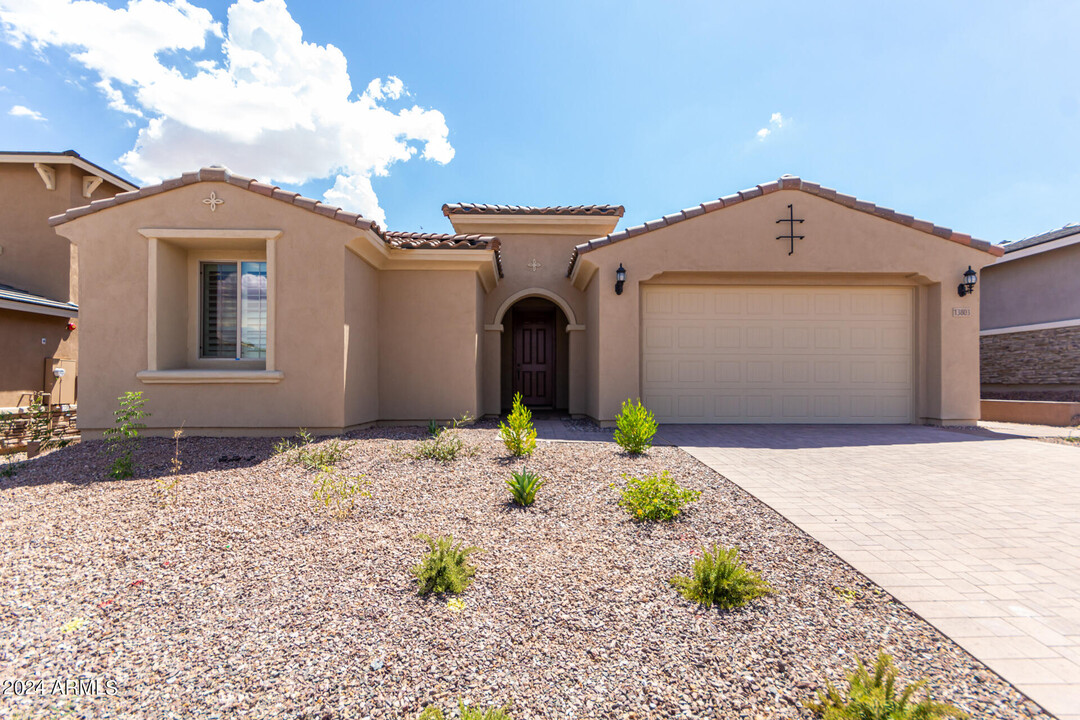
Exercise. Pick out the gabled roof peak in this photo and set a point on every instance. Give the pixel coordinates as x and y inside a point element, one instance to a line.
<point>223,174</point>
<point>786,182</point>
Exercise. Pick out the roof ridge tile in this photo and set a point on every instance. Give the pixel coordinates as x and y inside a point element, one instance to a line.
<point>789,182</point>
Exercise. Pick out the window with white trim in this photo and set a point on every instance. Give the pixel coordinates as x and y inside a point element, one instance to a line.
<point>232,322</point>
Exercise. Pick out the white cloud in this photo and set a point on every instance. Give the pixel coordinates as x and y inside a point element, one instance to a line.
<point>23,111</point>
<point>776,121</point>
<point>267,104</point>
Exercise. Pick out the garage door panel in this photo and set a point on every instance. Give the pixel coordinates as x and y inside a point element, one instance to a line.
<point>777,354</point>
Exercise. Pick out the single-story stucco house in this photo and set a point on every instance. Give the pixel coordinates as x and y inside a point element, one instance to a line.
<point>240,308</point>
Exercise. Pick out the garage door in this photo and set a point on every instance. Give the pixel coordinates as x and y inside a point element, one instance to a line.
<point>777,354</point>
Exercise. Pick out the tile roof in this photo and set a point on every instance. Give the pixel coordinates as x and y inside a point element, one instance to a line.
<point>1071,229</point>
<point>482,209</point>
<point>401,239</point>
<point>14,294</point>
<point>443,241</point>
<point>786,182</point>
<point>221,174</point>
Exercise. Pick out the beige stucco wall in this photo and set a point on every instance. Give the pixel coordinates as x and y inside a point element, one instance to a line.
<point>1039,288</point>
<point>429,338</point>
<point>33,257</point>
<point>23,355</point>
<point>737,245</point>
<point>361,340</point>
<point>308,289</point>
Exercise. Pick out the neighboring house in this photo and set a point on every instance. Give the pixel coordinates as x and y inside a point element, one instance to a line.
<point>39,273</point>
<point>1031,319</point>
<point>237,307</point>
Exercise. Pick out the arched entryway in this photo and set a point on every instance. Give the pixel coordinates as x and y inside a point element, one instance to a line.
<point>535,354</point>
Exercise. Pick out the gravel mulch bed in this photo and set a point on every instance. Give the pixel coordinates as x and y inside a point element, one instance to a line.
<point>243,599</point>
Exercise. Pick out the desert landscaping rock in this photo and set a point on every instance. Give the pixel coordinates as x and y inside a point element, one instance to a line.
<point>242,599</point>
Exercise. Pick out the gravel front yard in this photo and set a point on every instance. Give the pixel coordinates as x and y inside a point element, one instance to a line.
<point>245,599</point>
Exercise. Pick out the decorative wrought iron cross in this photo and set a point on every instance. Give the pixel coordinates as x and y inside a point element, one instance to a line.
<point>533,265</point>
<point>213,201</point>
<point>790,220</point>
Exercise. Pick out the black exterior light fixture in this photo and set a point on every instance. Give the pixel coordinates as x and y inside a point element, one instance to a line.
<point>620,278</point>
<point>968,286</point>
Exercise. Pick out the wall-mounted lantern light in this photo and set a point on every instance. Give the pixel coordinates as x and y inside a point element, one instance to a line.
<point>968,286</point>
<point>620,278</point>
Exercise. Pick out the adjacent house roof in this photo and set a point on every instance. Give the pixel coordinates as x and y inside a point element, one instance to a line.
<point>14,298</point>
<point>66,157</point>
<point>786,182</point>
<point>482,209</point>
<point>1067,231</point>
<point>443,241</point>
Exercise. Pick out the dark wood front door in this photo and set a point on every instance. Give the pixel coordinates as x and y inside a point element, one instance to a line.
<point>534,357</point>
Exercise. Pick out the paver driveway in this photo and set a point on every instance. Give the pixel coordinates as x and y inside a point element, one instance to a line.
<point>978,532</point>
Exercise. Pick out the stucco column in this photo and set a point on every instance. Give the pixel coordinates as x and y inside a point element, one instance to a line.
<point>959,357</point>
<point>577,370</point>
<point>491,368</point>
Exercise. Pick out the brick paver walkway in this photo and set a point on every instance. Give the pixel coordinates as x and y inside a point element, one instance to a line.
<point>977,532</point>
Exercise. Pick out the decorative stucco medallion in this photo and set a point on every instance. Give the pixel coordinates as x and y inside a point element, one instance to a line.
<point>534,265</point>
<point>213,201</point>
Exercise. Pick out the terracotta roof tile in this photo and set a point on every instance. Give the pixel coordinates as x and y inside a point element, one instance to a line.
<point>786,182</point>
<point>400,240</point>
<point>220,174</point>
<point>442,241</point>
<point>483,209</point>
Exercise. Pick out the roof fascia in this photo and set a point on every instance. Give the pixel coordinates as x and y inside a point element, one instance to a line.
<point>494,224</point>
<point>70,160</point>
<point>1040,248</point>
<point>32,307</point>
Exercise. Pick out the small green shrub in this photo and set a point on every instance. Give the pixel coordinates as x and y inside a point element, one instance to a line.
<point>655,497</point>
<point>720,578</point>
<point>518,433</point>
<point>445,567</point>
<point>120,441</point>
<point>635,427</point>
<point>433,428</point>
<point>523,486</point>
<point>313,456</point>
<point>283,446</point>
<point>337,492</point>
<point>445,445</point>
<point>432,712</point>
<point>874,697</point>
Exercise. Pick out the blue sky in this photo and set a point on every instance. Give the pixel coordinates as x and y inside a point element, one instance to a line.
<point>963,114</point>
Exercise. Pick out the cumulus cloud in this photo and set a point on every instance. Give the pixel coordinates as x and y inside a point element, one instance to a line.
<point>776,121</point>
<point>23,111</point>
<point>252,95</point>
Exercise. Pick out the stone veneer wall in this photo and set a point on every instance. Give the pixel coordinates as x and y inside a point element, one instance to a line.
<point>1034,360</point>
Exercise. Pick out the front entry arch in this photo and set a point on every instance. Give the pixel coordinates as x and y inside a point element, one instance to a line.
<point>568,336</point>
<point>568,312</point>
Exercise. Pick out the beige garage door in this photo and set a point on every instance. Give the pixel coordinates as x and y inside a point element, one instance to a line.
<point>777,354</point>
